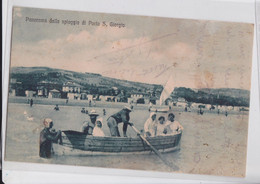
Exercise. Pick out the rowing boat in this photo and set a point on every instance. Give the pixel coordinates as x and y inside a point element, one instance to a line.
<point>79,141</point>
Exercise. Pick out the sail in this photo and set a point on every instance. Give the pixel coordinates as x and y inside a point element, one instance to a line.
<point>167,90</point>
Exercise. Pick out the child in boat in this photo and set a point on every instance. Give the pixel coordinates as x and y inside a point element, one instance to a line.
<point>98,128</point>
<point>150,126</point>
<point>161,127</point>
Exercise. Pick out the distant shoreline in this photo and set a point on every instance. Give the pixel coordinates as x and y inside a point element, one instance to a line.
<point>80,103</point>
<point>99,104</point>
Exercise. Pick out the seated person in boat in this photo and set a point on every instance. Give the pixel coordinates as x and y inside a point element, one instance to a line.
<point>161,126</point>
<point>56,108</point>
<point>88,126</point>
<point>150,126</point>
<point>47,137</point>
<point>98,128</point>
<point>120,117</point>
<point>173,126</point>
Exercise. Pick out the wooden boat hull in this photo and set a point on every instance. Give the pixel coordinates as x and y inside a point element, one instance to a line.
<point>78,140</point>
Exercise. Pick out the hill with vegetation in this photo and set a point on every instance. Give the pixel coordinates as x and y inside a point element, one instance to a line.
<point>30,77</point>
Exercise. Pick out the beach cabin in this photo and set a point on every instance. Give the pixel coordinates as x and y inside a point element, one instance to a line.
<point>30,93</point>
<point>83,96</point>
<point>181,102</point>
<point>130,100</point>
<point>230,108</point>
<point>146,100</point>
<point>42,92</point>
<point>102,98</point>
<point>90,97</point>
<point>12,92</point>
<point>243,109</point>
<point>73,96</point>
<point>208,106</point>
<point>54,94</point>
<point>236,108</point>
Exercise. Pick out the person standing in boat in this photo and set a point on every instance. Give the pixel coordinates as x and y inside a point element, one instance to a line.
<point>150,126</point>
<point>98,128</point>
<point>120,117</point>
<point>88,126</point>
<point>173,126</point>
<point>47,137</point>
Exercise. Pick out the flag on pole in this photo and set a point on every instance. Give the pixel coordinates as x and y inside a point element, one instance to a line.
<point>167,90</point>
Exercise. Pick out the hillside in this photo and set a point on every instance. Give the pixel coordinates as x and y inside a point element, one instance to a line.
<point>231,92</point>
<point>30,77</point>
<point>33,75</point>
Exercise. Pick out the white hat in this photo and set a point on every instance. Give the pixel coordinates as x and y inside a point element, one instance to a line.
<point>100,119</point>
<point>93,113</point>
<point>127,108</point>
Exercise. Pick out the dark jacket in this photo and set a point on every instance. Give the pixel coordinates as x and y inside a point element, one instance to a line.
<point>46,139</point>
<point>121,116</point>
<point>88,128</point>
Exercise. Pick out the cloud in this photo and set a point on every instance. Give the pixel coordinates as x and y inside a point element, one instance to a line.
<point>118,53</point>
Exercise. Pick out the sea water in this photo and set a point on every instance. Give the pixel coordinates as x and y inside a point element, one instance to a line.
<point>211,143</point>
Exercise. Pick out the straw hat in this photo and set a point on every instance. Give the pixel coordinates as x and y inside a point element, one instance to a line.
<point>93,113</point>
<point>127,108</point>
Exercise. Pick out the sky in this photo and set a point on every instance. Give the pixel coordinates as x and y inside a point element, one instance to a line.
<point>195,53</point>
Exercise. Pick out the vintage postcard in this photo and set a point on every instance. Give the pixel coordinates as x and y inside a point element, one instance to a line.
<point>129,92</point>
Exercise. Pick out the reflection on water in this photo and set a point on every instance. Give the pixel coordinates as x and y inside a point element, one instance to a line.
<point>210,144</point>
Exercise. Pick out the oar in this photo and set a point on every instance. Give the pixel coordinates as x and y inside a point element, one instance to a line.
<point>155,150</point>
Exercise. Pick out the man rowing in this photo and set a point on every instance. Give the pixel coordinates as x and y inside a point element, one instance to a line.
<point>122,116</point>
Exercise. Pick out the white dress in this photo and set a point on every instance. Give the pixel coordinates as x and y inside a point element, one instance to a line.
<point>150,126</point>
<point>161,128</point>
<point>173,127</point>
<point>98,132</point>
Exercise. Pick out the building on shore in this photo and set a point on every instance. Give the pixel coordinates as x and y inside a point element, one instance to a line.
<point>44,88</point>
<point>16,88</point>
<point>73,96</point>
<point>30,93</point>
<point>54,94</point>
<point>72,91</point>
<point>139,98</point>
<point>71,87</point>
<point>179,102</point>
